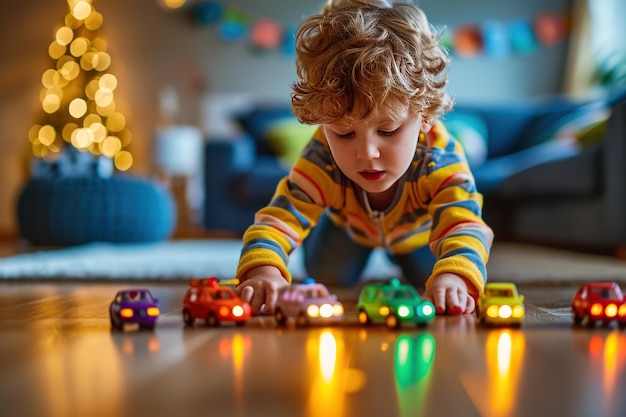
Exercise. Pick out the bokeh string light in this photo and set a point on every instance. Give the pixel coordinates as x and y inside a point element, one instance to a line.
<point>78,94</point>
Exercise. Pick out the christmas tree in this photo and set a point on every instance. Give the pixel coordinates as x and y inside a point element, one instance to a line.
<point>78,95</point>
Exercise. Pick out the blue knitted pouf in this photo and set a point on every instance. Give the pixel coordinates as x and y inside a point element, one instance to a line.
<point>73,211</point>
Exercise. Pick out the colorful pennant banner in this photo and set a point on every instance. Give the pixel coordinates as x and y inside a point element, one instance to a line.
<point>493,39</point>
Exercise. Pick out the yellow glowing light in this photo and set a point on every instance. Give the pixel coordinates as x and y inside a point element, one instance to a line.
<point>116,122</point>
<point>153,311</point>
<point>328,356</point>
<point>504,354</point>
<point>506,311</point>
<point>104,98</point>
<point>123,160</point>
<point>70,70</point>
<point>326,310</point>
<point>91,119</point>
<point>58,80</point>
<point>79,46</point>
<point>47,79</point>
<point>126,312</point>
<point>56,50</point>
<point>110,146</point>
<point>47,135</point>
<point>67,131</point>
<point>518,311</point>
<point>33,132</point>
<point>313,310</point>
<point>338,310</point>
<point>238,311</point>
<point>93,21</point>
<point>492,311</point>
<point>99,132</point>
<point>107,82</point>
<point>78,108</point>
<point>71,22</point>
<point>51,103</point>
<point>87,61</point>
<point>106,111</point>
<point>99,44</point>
<point>384,311</point>
<point>125,137</point>
<point>596,309</point>
<point>622,310</point>
<point>174,4</point>
<point>611,310</point>
<point>64,35</point>
<point>81,10</point>
<point>82,138</point>
<point>102,62</point>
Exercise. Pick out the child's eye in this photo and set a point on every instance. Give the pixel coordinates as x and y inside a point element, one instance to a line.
<point>344,135</point>
<point>388,133</point>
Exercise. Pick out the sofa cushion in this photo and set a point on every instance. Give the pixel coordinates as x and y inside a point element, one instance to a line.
<point>287,138</point>
<point>585,124</point>
<point>257,121</point>
<point>471,131</point>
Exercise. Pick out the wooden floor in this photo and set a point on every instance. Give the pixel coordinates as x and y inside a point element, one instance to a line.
<point>59,358</point>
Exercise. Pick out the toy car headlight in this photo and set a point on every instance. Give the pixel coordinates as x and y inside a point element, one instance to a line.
<point>427,309</point>
<point>338,310</point>
<point>404,311</point>
<point>518,311</point>
<point>313,310</point>
<point>326,310</point>
<point>237,311</point>
<point>127,313</point>
<point>153,311</point>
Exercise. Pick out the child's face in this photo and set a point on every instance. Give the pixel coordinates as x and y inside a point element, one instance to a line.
<point>376,152</point>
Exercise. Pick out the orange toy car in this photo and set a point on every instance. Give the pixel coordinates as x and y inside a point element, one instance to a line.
<point>208,300</point>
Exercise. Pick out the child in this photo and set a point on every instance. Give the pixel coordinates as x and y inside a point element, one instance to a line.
<point>380,171</point>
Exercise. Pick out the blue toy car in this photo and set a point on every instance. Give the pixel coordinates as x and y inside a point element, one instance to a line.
<point>134,306</point>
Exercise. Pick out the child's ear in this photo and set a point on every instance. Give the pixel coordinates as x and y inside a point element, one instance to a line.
<point>426,126</point>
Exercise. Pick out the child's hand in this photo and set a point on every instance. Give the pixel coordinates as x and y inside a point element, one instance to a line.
<point>449,294</point>
<point>261,287</point>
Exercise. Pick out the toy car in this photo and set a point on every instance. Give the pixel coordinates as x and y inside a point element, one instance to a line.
<point>393,302</point>
<point>208,300</point>
<point>500,304</point>
<point>599,302</point>
<point>134,306</point>
<point>309,302</point>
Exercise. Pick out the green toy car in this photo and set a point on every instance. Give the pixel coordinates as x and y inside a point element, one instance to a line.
<point>500,304</point>
<point>393,303</point>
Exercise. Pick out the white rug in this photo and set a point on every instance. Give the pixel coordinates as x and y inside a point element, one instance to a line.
<point>179,259</point>
<point>186,259</point>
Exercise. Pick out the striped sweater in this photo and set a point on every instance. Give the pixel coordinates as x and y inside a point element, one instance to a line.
<point>436,204</point>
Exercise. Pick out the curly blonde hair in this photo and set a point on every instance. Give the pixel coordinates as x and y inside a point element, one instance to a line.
<point>359,55</point>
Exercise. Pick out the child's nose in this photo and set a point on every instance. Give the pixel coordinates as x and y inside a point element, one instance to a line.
<point>368,149</point>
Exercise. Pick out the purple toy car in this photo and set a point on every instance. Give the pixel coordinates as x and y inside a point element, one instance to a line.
<point>135,306</point>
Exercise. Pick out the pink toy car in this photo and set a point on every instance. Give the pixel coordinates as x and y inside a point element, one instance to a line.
<point>308,302</point>
<point>599,302</point>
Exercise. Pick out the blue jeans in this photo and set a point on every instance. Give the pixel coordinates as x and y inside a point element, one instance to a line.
<point>332,257</point>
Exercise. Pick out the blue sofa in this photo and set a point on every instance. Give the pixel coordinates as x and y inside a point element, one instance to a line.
<point>539,186</point>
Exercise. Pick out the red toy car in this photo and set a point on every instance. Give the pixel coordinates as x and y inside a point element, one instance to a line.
<point>599,302</point>
<point>207,300</point>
